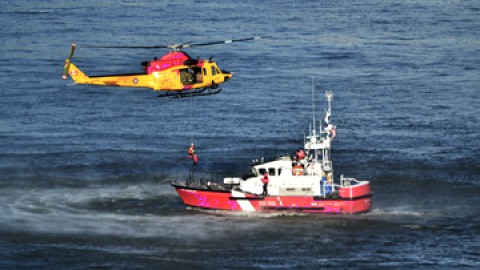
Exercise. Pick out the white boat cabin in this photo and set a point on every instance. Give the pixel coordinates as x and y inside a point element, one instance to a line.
<point>283,180</point>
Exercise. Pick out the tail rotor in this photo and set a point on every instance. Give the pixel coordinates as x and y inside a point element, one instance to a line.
<point>68,61</point>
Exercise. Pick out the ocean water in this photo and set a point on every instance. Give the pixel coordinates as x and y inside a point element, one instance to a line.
<point>85,170</point>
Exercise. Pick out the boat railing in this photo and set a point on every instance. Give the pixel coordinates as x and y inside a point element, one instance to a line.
<point>205,178</point>
<point>329,188</point>
<point>327,165</point>
<point>263,160</point>
<point>348,182</point>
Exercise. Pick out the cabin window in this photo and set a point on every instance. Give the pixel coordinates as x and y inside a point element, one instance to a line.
<point>204,72</point>
<point>187,76</point>
<point>270,171</point>
<point>214,71</point>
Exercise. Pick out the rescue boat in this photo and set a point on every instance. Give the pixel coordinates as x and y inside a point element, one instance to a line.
<point>302,183</point>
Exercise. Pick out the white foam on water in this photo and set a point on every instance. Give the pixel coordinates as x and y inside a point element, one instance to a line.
<point>62,210</point>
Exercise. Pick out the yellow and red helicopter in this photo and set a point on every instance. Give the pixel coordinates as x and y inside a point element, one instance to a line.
<point>175,72</point>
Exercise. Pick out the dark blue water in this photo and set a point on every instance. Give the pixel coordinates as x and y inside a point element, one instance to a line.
<point>85,171</point>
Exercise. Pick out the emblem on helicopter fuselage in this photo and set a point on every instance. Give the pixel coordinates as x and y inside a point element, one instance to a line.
<point>135,81</point>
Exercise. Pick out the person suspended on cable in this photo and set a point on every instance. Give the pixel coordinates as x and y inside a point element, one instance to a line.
<point>191,151</point>
<point>195,159</point>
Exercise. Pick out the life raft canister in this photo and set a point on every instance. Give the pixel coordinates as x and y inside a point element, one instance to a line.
<point>297,170</point>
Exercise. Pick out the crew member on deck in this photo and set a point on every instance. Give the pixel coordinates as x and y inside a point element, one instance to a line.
<point>322,183</point>
<point>265,181</point>
<point>300,154</point>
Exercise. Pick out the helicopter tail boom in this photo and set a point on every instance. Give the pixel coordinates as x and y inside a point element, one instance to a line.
<point>75,73</point>
<point>79,77</point>
<point>126,80</point>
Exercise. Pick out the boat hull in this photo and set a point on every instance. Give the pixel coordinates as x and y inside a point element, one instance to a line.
<point>236,200</point>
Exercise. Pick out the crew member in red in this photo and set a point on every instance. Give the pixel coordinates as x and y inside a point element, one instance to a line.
<point>195,159</point>
<point>300,154</point>
<point>191,151</point>
<point>265,181</point>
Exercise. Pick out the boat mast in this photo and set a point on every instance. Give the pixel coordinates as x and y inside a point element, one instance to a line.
<point>318,143</point>
<point>314,138</point>
<point>313,108</point>
<point>327,164</point>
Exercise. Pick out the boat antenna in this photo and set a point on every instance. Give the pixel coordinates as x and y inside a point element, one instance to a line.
<point>313,107</point>
<point>329,96</point>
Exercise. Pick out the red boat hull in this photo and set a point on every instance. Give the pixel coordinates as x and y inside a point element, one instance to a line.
<point>239,201</point>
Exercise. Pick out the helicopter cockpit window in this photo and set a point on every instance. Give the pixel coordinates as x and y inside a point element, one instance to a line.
<point>218,71</point>
<point>214,71</point>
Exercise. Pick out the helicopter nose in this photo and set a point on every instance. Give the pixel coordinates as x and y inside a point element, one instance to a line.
<point>227,75</point>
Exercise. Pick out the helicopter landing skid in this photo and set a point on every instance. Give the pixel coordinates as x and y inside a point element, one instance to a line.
<point>196,93</point>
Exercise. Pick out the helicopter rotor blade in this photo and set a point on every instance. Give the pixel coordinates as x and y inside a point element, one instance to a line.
<point>68,61</point>
<point>132,47</point>
<point>223,41</point>
<point>176,47</point>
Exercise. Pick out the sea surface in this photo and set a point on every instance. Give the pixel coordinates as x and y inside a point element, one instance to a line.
<point>85,171</point>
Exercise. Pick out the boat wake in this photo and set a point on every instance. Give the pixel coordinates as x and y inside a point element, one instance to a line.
<point>112,209</point>
<point>264,215</point>
<point>142,210</point>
